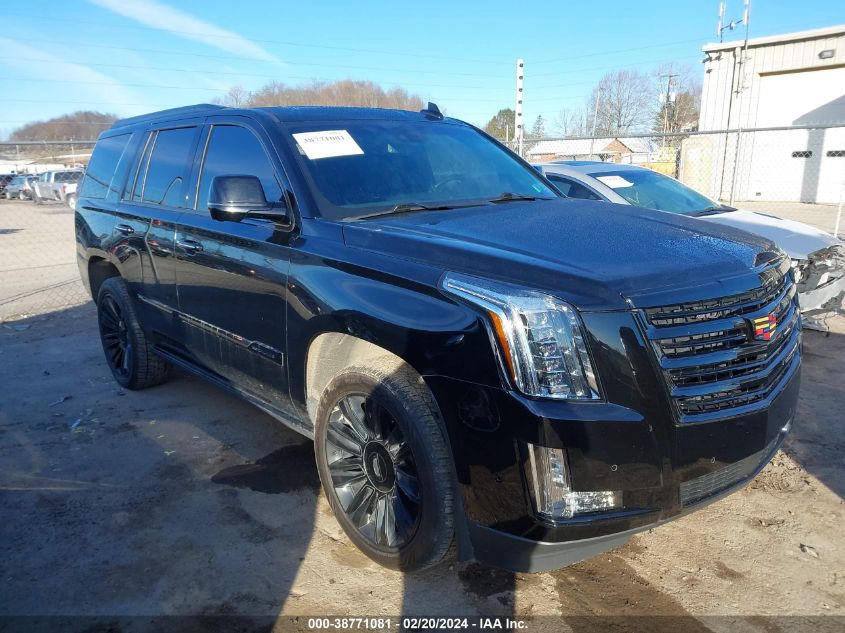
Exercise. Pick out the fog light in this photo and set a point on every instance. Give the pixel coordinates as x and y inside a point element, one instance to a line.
<point>551,493</point>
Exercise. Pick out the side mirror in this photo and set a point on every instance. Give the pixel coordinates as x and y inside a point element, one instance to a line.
<point>233,198</point>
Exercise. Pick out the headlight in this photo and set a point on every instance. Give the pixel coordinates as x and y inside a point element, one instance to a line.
<point>539,337</point>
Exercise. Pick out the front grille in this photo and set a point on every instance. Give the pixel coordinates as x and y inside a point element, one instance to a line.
<point>714,364</point>
<point>772,284</point>
<point>700,488</point>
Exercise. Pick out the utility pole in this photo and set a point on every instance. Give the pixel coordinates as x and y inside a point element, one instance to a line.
<point>740,90</point>
<point>668,100</point>
<point>595,120</point>
<point>519,128</point>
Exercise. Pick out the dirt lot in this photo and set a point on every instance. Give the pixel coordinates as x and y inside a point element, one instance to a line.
<point>184,500</point>
<point>38,270</point>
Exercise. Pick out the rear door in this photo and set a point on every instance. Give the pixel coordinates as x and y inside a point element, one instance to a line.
<point>100,192</point>
<point>154,198</point>
<point>232,276</point>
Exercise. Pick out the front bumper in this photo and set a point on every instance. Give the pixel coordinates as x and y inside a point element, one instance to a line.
<point>824,298</point>
<point>631,443</point>
<point>520,554</point>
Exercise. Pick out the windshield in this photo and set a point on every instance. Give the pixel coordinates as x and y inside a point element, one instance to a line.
<point>356,168</point>
<point>649,189</point>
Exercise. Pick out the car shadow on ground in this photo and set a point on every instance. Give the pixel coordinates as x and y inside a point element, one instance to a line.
<point>184,500</point>
<point>180,499</point>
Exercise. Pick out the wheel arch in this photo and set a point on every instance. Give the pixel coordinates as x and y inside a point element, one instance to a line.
<point>328,353</point>
<point>99,269</point>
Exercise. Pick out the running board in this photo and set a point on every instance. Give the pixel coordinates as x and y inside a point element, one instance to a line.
<point>219,381</point>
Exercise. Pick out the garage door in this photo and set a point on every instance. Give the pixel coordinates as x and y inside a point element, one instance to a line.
<point>800,166</point>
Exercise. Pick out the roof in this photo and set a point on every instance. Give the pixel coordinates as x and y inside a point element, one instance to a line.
<point>586,146</point>
<point>287,114</point>
<point>814,34</point>
<point>292,114</point>
<point>586,166</point>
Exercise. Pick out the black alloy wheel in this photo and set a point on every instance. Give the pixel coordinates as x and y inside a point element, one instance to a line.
<point>116,342</point>
<point>373,471</point>
<point>132,362</point>
<point>385,465</point>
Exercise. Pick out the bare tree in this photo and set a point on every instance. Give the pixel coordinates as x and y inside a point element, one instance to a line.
<point>571,122</point>
<point>236,97</point>
<point>347,92</point>
<point>622,101</point>
<point>79,126</point>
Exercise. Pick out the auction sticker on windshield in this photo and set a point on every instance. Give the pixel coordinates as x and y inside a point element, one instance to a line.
<point>615,182</point>
<point>328,144</point>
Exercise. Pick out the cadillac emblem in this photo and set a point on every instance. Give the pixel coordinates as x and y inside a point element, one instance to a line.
<point>764,326</point>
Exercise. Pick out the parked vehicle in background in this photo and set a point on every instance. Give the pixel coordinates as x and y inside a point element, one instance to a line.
<point>817,257</point>
<point>20,187</point>
<point>474,364</point>
<point>5,179</point>
<point>56,185</point>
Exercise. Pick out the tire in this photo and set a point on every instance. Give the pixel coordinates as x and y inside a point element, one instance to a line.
<point>381,455</point>
<point>71,201</point>
<point>125,345</point>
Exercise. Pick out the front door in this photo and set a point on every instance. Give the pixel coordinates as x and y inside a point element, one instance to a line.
<point>231,276</point>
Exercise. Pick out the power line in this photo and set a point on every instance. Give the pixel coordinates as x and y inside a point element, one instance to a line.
<point>569,58</point>
<point>392,52</point>
<point>232,57</point>
<point>216,72</point>
<point>640,63</point>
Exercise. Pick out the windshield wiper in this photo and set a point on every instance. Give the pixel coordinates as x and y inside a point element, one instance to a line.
<point>408,207</point>
<point>508,196</point>
<point>713,210</point>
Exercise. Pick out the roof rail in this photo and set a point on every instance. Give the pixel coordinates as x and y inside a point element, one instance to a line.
<point>152,116</point>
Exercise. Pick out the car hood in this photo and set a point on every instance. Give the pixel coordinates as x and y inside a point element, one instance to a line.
<point>597,255</point>
<point>796,239</point>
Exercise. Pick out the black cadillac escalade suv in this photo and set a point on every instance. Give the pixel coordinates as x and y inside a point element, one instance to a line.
<point>479,361</point>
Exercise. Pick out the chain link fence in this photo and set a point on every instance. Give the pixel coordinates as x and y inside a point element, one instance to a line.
<point>796,173</point>
<point>38,271</point>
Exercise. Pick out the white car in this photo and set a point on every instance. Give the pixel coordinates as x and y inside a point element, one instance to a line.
<point>818,258</point>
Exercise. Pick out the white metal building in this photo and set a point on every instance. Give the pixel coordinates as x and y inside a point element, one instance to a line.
<point>794,79</point>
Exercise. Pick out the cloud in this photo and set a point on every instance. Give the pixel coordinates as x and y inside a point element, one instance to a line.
<point>184,25</point>
<point>37,63</point>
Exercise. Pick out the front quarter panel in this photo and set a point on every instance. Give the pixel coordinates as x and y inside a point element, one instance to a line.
<point>391,303</point>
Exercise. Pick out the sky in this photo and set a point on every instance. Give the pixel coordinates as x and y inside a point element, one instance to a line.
<point>134,56</point>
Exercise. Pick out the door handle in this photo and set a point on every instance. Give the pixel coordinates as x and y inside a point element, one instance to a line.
<point>124,228</point>
<point>189,246</point>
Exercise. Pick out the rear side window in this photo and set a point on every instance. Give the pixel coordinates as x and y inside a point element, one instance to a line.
<point>234,151</point>
<point>102,167</point>
<point>572,189</point>
<point>168,167</point>
<point>164,166</point>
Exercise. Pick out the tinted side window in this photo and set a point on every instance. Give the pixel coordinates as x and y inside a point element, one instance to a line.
<point>572,189</point>
<point>102,166</point>
<point>235,151</point>
<point>139,169</point>
<point>169,166</point>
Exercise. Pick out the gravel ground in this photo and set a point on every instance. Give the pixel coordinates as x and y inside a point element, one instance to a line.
<point>183,500</point>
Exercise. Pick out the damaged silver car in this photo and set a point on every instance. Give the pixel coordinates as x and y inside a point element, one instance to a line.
<point>818,258</point>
